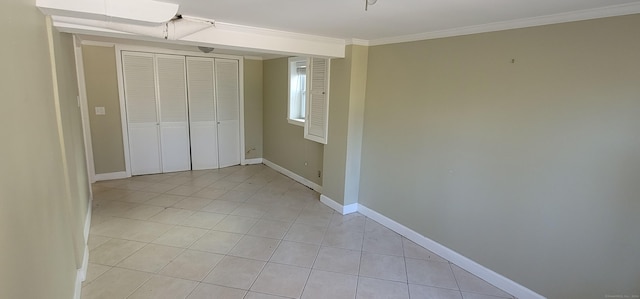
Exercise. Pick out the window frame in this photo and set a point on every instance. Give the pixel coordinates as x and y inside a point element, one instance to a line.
<point>302,101</point>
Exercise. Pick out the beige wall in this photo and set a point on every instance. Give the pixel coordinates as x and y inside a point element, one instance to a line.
<point>42,183</point>
<point>101,81</point>
<point>346,111</point>
<point>284,143</point>
<point>253,108</point>
<point>529,168</point>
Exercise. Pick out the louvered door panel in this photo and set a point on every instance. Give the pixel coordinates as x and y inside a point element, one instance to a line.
<point>142,113</point>
<point>316,123</point>
<point>202,122</point>
<point>174,121</point>
<point>228,111</point>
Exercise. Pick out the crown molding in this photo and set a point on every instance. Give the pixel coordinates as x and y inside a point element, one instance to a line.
<point>580,15</point>
<point>357,42</point>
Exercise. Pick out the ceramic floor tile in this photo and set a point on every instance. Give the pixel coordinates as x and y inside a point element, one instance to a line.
<point>184,190</point>
<point>237,196</point>
<point>210,193</point>
<point>281,280</point>
<point>142,212</point>
<point>217,242</point>
<point>235,224</point>
<point>467,295</point>
<point>385,267</point>
<point>323,284</point>
<point>208,291</point>
<point>370,288</point>
<point>164,200</point>
<point>338,260</point>
<point>270,229</point>
<point>150,258</point>
<point>415,251</point>
<point>138,196</point>
<point>235,272</point>
<point>297,254</point>
<point>305,234</point>
<point>436,274</point>
<point>471,283</point>
<point>221,206</point>
<point>383,242</point>
<point>315,218</point>
<point>95,241</point>
<point>420,291</point>
<point>204,220</point>
<point>159,187</point>
<point>256,248</point>
<point>113,251</point>
<point>193,203</point>
<point>255,295</point>
<point>250,210</point>
<point>115,283</point>
<point>164,287</point>
<point>192,265</point>
<point>343,238</point>
<point>288,214</point>
<point>180,236</point>
<point>172,216</point>
<point>94,271</point>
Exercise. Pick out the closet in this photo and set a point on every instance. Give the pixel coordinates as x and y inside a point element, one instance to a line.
<point>183,112</point>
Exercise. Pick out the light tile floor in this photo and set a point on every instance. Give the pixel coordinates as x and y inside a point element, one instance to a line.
<point>250,232</point>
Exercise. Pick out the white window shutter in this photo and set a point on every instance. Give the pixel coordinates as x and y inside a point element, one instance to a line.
<point>317,121</point>
<point>172,89</point>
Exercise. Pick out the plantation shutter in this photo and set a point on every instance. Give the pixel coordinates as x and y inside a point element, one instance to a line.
<point>317,105</point>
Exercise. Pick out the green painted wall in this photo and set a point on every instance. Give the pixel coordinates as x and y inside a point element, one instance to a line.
<point>253,108</point>
<point>284,143</point>
<point>101,81</point>
<point>43,181</point>
<point>530,168</point>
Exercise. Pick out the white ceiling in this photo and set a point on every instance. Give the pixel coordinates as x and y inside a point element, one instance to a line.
<point>346,19</point>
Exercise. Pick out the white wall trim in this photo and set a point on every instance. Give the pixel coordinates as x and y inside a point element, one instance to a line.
<point>84,110</point>
<point>81,274</point>
<point>580,15</point>
<point>344,210</point>
<point>111,176</point>
<point>292,175</point>
<point>463,262</point>
<point>252,161</point>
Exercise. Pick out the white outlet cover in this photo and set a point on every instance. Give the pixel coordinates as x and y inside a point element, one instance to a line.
<point>100,111</point>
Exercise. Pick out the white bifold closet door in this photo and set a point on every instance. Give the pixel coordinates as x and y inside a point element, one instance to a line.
<point>202,110</point>
<point>157,119</point>
<point>228,111</point>
<point>214,106</point>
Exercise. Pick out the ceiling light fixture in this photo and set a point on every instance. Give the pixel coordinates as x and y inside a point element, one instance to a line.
<point>369,2</point>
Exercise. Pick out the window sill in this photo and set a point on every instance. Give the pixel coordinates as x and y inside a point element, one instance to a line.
<point>297,122</point>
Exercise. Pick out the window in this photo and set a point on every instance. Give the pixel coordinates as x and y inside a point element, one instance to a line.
<point>297,90</point>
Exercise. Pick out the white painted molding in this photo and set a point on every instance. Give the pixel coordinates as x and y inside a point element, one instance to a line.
<point>111,176</point>
<point>227,36</point>
<point>292,175</point>
<point>148,11</point>
<point>344,210</point>
<point>253,58</point>
<point>359,42</point>
<point>81,274</point>
<point>253,161</point>
<point>580,15</point>
<point>463,262</point>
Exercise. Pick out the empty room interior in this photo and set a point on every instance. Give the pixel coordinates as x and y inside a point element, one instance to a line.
<point>320,149</point>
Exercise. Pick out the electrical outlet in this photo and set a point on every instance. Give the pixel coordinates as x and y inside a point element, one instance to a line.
<point>319,173</point>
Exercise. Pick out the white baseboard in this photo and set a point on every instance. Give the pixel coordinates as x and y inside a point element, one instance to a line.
<point>111,176</point>
<point>344,210</point>
<point>252,161</point>
<point>81,274</point>
<point>292,175</point>
<point>463,262</point>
